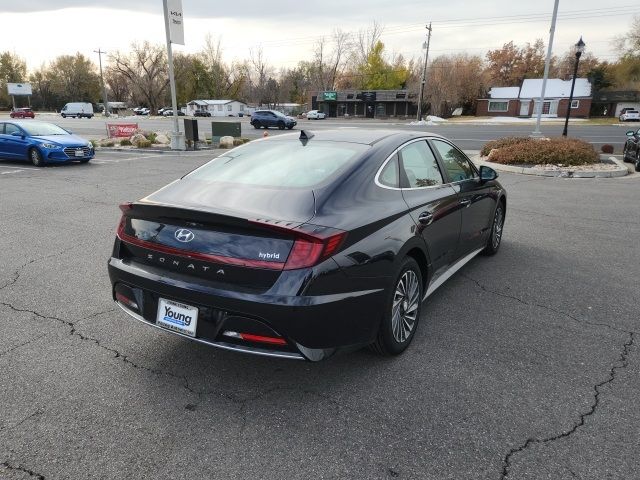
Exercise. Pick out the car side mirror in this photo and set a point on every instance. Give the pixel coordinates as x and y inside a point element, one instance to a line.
<point>630,133</point>
<point>17,134</point>
<point>487,174</point>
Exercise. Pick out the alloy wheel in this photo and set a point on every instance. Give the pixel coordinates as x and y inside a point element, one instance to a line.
<point>404,310</point>
<point>498,223</point>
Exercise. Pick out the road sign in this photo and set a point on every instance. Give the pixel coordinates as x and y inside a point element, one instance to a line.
<point>19,88</point>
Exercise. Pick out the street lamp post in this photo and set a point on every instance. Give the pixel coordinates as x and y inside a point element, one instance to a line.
<point>579,48</point>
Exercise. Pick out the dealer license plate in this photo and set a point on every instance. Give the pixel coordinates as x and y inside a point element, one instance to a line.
<point>79,153</point>
<point>177,317</point>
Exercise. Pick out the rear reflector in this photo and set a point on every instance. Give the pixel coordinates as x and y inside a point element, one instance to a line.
<point>255,338</point>
<point>126,301</point>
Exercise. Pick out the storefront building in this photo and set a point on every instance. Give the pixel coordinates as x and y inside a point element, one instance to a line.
<point>369,104</point>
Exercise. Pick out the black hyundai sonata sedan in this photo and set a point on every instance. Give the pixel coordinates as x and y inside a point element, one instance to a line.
<point>302,245</point>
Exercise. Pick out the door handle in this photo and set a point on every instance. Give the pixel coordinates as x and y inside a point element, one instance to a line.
<point>426,218</point>
<point>465,202</point>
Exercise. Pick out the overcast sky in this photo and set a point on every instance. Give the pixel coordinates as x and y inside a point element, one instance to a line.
<point>39,30</point>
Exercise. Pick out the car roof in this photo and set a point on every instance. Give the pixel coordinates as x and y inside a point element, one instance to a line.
<point>367,136</point>
<point>28,122</point>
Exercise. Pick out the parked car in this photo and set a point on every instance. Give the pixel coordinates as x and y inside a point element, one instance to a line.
<point>161,110</point>
<point>629,115</point>
<point>22,113</point>
<point>316,115</point>
<point>77,110</point>
<point>169,113</point>
<point>333,242</point>
<point>42,143</point>
<point>201,113</point>
<point>631,151</point>
<point>271,118</point>
<point>141,111</point>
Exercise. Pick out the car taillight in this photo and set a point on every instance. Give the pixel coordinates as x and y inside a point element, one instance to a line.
<point>312,244</point>
<point>124,207</point>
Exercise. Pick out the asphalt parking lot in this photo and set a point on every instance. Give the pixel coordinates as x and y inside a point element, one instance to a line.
<point>525,365</point>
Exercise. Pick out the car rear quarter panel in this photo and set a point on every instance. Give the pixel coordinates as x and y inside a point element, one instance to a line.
<point>380,228</point>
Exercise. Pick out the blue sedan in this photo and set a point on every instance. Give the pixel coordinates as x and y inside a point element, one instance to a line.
<point>42,143</point>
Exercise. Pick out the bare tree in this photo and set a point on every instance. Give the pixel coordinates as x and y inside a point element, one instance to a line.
<point>366,41</point>
<point>146,70</point>
<point>342,47</point>
<point>118,85</point>
<point>260,72</point>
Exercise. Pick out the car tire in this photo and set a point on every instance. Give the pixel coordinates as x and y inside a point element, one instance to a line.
<point>402,311</point>
<point>624,154</point>
<point>36,157</point>
<point>63,115</point>
<point>495,235</point>
<point>290,127</point>
<point>281,125</point>
<point>256,124</point>
<point>637,163</point>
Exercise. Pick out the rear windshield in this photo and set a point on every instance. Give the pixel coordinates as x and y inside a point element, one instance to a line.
<point>281,164</point>
<point>37,129</point>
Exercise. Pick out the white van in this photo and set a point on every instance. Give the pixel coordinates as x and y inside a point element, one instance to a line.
<point>77,109</point>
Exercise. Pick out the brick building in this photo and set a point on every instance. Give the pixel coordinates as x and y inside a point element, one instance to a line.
<point>524,101</point>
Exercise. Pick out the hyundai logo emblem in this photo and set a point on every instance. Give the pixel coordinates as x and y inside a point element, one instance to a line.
<point>183,235</point>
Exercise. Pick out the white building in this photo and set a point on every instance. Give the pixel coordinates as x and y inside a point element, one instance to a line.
<point>218,108</point>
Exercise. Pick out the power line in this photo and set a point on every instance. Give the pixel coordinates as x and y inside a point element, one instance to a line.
<point>624,10</point>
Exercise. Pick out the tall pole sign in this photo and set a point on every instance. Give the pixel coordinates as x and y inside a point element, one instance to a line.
<point>174,28</point>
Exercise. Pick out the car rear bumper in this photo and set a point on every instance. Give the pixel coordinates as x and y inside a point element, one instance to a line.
<point>314,327</point>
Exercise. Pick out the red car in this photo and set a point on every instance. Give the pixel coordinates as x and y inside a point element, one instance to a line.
<point>22,113</point>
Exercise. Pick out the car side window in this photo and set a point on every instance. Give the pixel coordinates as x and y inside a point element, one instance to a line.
<point>457,165</point>
<point>389,174</point>
<point>418,166</point>
<point>10,128</point>
<point>1,128</point>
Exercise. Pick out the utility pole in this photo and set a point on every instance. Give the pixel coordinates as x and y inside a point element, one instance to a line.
<point>424,71</point>
<point>536,132</point>
<point>104,88</point>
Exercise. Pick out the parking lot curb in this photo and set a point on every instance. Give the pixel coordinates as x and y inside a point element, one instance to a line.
<point>620,169</point>
<point>151,150</point>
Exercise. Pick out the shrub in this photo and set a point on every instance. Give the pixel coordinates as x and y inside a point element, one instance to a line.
<point>143,143</point>
<point>501,142</point>
<point>151,136</point>
<point>240,141</point>
<point>94,143</point>
<point>607,148</point>
<point>558,151</point>
<point>108,143</point>
<point>125,142</point>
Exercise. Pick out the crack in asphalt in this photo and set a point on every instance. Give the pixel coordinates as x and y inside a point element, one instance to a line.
<point>20,468</point>
<point>621,363</point>
<point>37,413</point>
<point>17,273</point>
<point>117,354</point>
<point>540,305</point>
<point>15,347</point>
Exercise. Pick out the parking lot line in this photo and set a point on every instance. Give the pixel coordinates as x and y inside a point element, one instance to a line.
<point>19,168</point>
